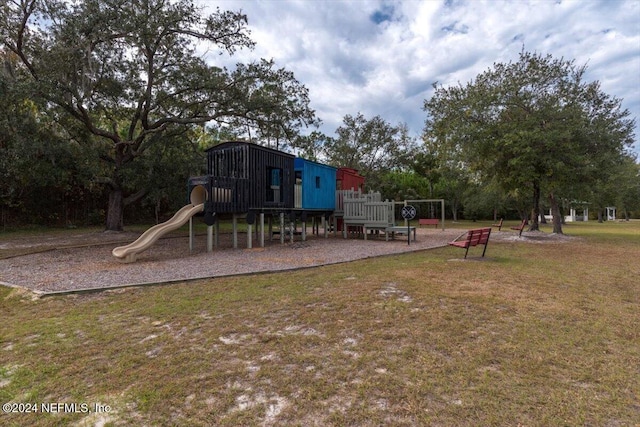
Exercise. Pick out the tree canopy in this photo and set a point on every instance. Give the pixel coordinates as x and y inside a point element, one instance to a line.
<point>129,72</point>
<point>372,146</point>
<point>533,124</point>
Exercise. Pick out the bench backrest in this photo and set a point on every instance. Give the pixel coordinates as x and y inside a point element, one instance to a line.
<point>478,236</point>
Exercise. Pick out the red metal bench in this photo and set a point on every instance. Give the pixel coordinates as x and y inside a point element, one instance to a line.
<point>475,237</point>
<point>428,221</point>
<point>499,225</point>
<point>521,227</point>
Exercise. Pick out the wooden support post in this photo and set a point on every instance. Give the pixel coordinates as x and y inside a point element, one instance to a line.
<point>304,231</point>
<point>282,228</point>
<point>216,241</point>
<point>262,229</point>
<point>257,232</point>
<point>292,226</point>
<point>324,227</point>
<point>234,223</point>
<point>249,236</point>
<point>209,238</point>
<point>191,234</point>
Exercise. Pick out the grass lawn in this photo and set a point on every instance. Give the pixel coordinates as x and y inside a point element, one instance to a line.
<point>537,335</point>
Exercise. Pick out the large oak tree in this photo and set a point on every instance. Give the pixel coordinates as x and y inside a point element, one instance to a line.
<point>533,124</point>
<point>131,72</point>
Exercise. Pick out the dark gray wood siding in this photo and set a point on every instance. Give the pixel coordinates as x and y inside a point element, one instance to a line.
<point>245,176</point>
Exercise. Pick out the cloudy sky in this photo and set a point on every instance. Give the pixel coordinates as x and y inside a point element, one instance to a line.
<point>381,57</point>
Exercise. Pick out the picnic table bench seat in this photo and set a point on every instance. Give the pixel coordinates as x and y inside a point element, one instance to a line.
<point>400,230</point>
<point>388,230</point>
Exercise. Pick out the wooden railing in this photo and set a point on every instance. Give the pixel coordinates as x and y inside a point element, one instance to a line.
<point>228,195</point>
<point>353,195</point>
<point>361,211</point>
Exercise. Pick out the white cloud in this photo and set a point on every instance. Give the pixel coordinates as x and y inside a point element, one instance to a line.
<point>381,57</point>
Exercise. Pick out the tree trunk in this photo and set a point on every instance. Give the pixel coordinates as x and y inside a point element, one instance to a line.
<point>557,216</point>
<point>534,226</point>
<point>543,218</point>
<point>115,210</point>
<point>600,216</point>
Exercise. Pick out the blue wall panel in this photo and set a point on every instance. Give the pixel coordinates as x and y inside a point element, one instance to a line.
<point>318,184</point>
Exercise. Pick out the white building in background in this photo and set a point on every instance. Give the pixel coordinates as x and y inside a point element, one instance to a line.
<point>573,215</point>
<point>611,213</point>
<point>578,211</point>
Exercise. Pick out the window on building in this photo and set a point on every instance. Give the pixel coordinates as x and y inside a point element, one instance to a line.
<point>274,185</point>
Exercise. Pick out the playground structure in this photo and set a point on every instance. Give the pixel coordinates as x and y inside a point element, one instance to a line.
<point>272,191</point>
<point>366,212</point>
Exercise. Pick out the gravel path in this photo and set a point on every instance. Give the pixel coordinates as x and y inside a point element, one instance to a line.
<point>93,267</point>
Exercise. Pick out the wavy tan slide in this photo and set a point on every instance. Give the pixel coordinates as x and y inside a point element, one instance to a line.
<point>128,253</point>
